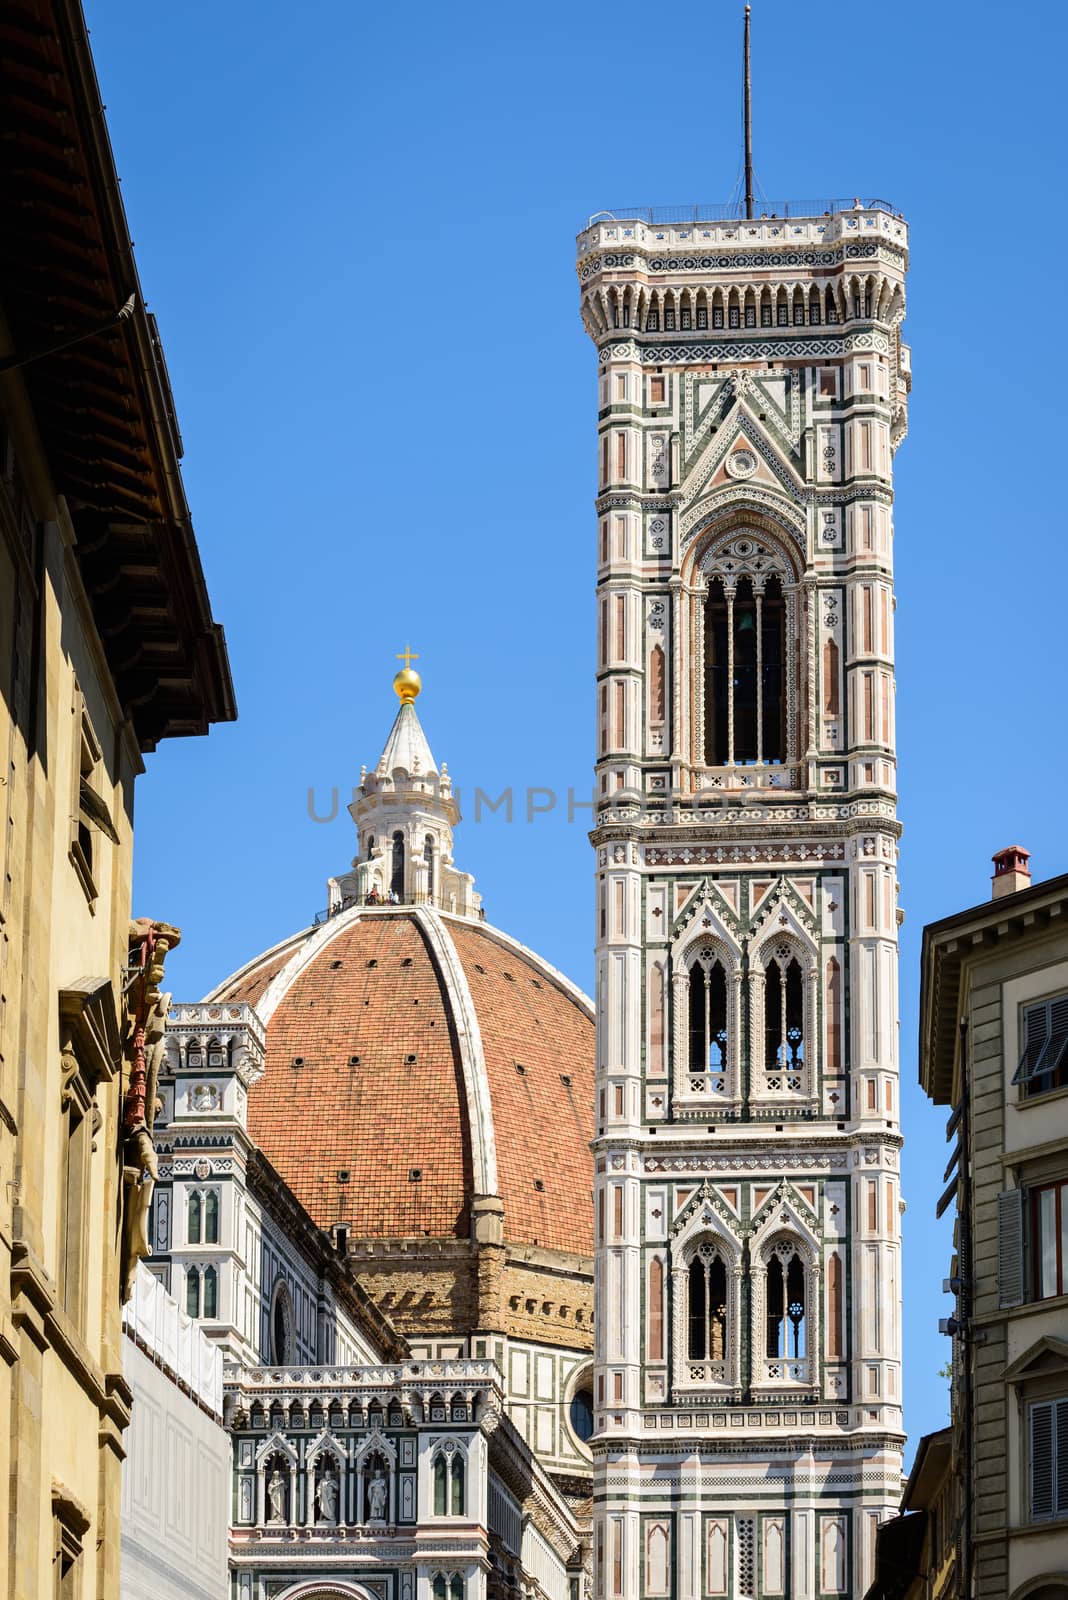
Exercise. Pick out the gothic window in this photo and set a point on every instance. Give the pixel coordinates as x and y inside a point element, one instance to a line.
<point>193,1229</point>
<point>396,880</point>
<point>428,857</point>
<point>652,322</point>
<point>707,1309</point>
<point>708,1017</point>
<point>448,1475</point>
<point>211,1292</point>
<point>745,658</point>
<point>705,1294</point>
<point>370,845</point>
<point>785,1306</point>
<point>448,1588</point>
<point>192,1292</point>
<point>785,1301</point>
<point>831,306</point>
<point>211,1217</point>
<point>685,318</point>
<point>717,316</point>
<point>283,1353</point>
<point>784,1015</point>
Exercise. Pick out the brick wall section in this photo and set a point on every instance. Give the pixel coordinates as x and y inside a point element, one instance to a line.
<point>543,1127</point>
<point>372,992</point>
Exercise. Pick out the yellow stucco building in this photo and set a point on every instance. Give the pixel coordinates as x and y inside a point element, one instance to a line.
<point>107,645</point>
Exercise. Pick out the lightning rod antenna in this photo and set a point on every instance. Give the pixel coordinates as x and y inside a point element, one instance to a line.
<point>748,124</point>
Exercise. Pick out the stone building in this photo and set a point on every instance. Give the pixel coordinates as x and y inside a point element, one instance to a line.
<point>107,646</point>
<point>752,389</point>
<point>375,1192</point>
<point>994,1052</point>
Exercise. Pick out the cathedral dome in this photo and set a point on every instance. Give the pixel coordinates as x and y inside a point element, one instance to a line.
<point>417,1061</point>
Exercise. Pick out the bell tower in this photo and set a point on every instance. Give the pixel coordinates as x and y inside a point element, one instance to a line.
<point>752,389</point>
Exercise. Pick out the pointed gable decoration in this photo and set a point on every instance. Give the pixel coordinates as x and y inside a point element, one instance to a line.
<point>706,1213</point>
<point>707,913</point>
<point>783,912</point>
<point>785,1211</point>
<point>276,1445</point>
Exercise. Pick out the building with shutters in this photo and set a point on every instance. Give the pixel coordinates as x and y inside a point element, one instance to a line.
<point>752,390</point>
<point>107,647</point>
<point>994,1054</point>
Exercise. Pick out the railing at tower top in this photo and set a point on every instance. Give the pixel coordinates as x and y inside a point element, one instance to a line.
<point>765,211</point>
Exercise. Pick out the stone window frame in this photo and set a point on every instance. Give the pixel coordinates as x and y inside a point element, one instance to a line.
<point>783,1225</point>
<point>705,1226</point>
<point>713,556</point>
<point>70,1524</point>
<point>705,937</point>
<point>454,1451</point>
<point>807,953</point>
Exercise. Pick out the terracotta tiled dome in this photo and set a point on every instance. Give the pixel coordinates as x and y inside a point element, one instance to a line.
<point>417,1061</point>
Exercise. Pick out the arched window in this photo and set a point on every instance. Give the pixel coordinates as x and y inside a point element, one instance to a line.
<point>449,1475</point>
<point>211,1217</point>
<point>707,1308</point>
<point>282,1351</point>
<point>784,1017</point>
<point>211,1292</point>
<point>428,857</point>
<point>192,1231</point>
<point>785,1334</point>
<point>708,1017</point>
<point>192,1292</point>
<point>745,660</point>
<point>396,880</point>
<point>786,1309</point>
<point>370,845</point>
<point>448,1588</point>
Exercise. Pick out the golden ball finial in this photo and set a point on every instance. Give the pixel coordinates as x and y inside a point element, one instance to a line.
<point>407,684</point>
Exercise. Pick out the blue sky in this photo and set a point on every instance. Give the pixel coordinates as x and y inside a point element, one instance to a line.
<point>356,227</point>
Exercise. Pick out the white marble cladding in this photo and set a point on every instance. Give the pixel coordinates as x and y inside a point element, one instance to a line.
<point>738,233</point>
<point>414,1376</point>
<point>159,1324</point>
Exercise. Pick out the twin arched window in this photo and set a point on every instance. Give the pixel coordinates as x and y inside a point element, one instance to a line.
<point>201,1292</point>
<point>449,1475</point>
<point>202,1218</point>
<point>716,1007</point>
<point>444,1588</point>
<point>710,1305</point>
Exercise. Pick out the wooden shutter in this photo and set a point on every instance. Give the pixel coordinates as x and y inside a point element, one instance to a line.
<point>1042,1451</point>
<point>1010,1248</point>
<point>1060,1441</point>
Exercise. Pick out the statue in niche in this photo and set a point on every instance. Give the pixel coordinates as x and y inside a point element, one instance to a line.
<point>276,1496</point>
<point>377,1494</point>
<point>326,1494</point>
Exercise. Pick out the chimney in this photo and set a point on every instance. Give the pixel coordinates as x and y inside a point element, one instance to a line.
<point>1011,871</point>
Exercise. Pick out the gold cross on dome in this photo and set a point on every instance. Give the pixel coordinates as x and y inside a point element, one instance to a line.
<point>407,655</point>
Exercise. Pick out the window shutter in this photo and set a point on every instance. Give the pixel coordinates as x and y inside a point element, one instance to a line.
<point>1042,1459</point>
<point>1036,1033</point>
<point>1060,1408</point>
<point>1050,1058</point>
<point>1010,1248</point>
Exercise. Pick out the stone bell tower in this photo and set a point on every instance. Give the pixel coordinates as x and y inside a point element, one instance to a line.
<point>752,391</point>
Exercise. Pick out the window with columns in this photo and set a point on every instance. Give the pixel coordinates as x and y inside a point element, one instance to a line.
<point>784,1306</point>
<point>745,688</point>
<point>707,1024</point>
<point>706,1308</point>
